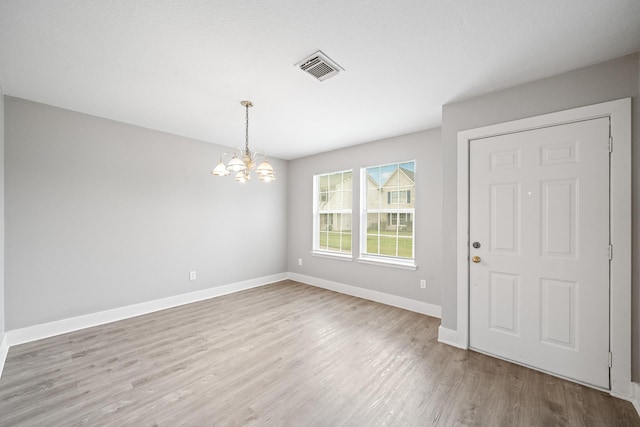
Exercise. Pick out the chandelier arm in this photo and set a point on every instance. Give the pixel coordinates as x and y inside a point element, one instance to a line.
<point>255,155</point>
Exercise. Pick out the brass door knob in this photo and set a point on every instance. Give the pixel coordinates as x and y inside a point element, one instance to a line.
<point>476,259</point>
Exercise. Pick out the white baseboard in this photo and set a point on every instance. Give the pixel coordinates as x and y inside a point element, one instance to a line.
<point>46,330</point>
<point>4,350</point>
<point>381,297</point>
<point>635,396</point>
<point>449,337</point>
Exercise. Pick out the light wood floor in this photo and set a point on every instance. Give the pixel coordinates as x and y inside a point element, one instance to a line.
<point>285,354</point>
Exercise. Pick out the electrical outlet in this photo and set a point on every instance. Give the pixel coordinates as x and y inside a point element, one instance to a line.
<point>299,261</point>
<point>192,275</point>
<point>423,284</point>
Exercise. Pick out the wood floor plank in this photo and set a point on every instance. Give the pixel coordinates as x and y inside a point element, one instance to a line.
<point>287,355</point>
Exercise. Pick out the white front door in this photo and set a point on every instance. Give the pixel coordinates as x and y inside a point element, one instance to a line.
<point>539,227</point>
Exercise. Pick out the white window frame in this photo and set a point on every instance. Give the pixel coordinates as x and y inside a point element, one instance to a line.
<point>316,250</point>
<point>391,261</point>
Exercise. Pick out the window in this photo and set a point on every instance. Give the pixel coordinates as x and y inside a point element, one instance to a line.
<point>400,219</point>
<point>403,196</point>
<point>332,213</point>
<point>388,212</point>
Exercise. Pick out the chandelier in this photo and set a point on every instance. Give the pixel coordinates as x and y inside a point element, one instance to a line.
<point>243,161</point>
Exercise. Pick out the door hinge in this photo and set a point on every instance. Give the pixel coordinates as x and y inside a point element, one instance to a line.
<point>610,360</point>
<point>611,144</point>
<point>610,252</point>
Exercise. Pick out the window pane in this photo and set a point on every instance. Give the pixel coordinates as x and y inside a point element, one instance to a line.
<point>373,223</point>
<point>339,239</point>
<point>388,176</point>
<point>388,245</point>
<point>323,183</point>
<point>373,244</point>
<point>334,200</point>
<point>324,222</point>
<point>347,196</point>
<point>335,181</point>
<point>373,188</point>
<point>373,177</point>
<point>323,240</point>
<point>408,166</point>
<point>405,246</point>
<point>374,197</point>
<point>323,198</point>
<point>333,241</point>
<point>346,222</point>
<point>346,242</point>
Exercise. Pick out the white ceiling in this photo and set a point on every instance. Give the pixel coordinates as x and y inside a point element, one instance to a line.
<point>184,66</point>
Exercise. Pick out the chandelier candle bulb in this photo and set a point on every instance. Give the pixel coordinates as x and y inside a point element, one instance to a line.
<point>242,168</point>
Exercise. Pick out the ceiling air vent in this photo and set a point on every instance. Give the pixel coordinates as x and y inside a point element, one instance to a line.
<point>319,66</point>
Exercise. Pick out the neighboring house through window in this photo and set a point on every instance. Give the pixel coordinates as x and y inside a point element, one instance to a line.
<point>332,195</point>
<point>388,212</point>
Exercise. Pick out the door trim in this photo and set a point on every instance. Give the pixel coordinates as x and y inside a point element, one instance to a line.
<point>619,112</point>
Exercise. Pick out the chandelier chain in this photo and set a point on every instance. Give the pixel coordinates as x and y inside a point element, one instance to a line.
<point>246,130</point>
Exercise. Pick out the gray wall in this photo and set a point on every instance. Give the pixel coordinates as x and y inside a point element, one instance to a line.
<point>425,148</point>
<point>2,305</point>
<point>101,214</point>
<point>598,83</point>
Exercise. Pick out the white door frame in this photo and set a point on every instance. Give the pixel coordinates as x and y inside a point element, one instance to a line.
<point>619,112</point>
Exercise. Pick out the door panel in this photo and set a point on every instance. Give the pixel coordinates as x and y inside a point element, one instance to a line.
<point>558,303</point>
<point>559,217</point>
<point>505,216</point>
<point>539,207</point>
<point>504,302</point>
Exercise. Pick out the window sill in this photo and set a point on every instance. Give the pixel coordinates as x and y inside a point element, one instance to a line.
<point>331,255</point>
<point>404,265</point>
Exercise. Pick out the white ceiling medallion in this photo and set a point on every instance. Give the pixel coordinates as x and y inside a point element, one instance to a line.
<point>319,66</point>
